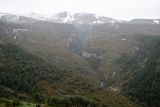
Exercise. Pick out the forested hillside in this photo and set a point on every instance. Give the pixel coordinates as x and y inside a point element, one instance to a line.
<point>111,64</point>
<point>28,77</point>
<point>141,71</point>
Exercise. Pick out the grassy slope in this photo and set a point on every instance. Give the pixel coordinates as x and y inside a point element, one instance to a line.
<point>48,41</point>
<point>111,45</point>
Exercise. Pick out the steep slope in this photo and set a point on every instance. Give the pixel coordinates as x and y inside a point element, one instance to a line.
<point>132,45</point>
<point>24,72</point>
<point>50,41</point>
<point>81,18</point>
<point>61,17</point>
<point>28,77</point>
<point>108,42</point>
<point>98,61</point>
<point>141,72</point>
<point>148,21</point>
<point>40,58</point>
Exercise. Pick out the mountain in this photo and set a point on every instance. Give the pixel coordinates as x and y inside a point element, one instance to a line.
<point>63,17</point>
<point>79,54</point>
<point>71,18</point>
<point>15,18</point>
<point>147,21</point>
<point>80,18</point>
<point>44,60</point>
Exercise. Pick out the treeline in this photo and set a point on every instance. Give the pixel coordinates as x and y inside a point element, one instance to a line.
<point>73,101</point>
<point>57,101</point>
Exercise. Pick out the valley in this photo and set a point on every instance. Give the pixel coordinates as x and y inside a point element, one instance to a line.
<point>99,61</point>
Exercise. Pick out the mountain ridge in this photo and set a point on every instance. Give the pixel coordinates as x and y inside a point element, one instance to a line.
<point>75,18</point>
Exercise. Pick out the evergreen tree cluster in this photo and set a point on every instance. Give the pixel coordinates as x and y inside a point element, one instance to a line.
<point>22,71</point>
<point>142,71</point>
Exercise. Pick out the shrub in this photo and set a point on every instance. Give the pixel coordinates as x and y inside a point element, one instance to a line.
<point>16,102</point>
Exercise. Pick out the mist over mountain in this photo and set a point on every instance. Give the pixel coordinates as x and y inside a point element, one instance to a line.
<point>78,60</point>
<point>72,18</point>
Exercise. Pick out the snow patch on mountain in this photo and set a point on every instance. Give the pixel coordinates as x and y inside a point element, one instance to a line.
<point>124,39</point>
<point>70,18</point>
<point>98,22</point>
<point>17,30</point>
<point>156,21</point>
<point>38,16</point>
<point>80,18</point>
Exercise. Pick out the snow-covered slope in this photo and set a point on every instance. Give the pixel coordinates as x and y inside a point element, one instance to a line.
<point>62,17</point>
<point>157,21</point>
<point>80,18</point>
<point>37,16</point>
<point>145,21</point>
<point>70,18</point>
<point>14,18</point>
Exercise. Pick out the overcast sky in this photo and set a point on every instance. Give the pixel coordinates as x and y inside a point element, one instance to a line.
<point>120,9</point>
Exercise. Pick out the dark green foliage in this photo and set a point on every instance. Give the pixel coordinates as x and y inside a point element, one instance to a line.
<point>3,100</point>
<point>22,71</point>
<point>70,101</point>
<point>39,97</point>
<point>6,93</point>
<point>16,102</point>
<point>143,72</point>
<point>18,54</point>
<point>38,105</point>
<point>9,104</point>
